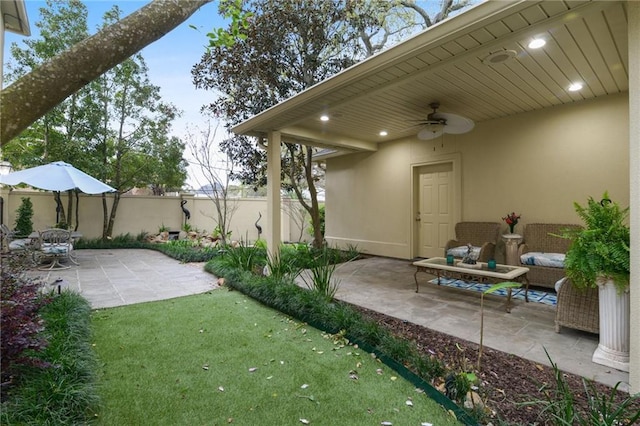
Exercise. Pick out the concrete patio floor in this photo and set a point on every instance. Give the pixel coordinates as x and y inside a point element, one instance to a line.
<point>109,278</point>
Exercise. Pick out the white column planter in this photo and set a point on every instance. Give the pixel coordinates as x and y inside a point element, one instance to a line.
<point>614,306</point>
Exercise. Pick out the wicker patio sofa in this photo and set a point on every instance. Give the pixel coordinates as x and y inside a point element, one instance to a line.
<point>539,238</point>
<point>483,235</point>
<point>577,308</point>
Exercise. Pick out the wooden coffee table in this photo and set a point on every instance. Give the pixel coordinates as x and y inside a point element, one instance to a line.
<point>438,266</point>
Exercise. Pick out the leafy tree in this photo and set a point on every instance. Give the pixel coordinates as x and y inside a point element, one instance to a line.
<point>166,166</point>
<point>134,125</point>
<point>391,21</point>
<point>290,46</point>
<point>35,93</point>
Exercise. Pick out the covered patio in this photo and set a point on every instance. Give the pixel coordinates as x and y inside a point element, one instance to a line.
<point>541,141</point>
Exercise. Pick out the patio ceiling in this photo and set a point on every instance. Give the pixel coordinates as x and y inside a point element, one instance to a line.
<point>586,41</point>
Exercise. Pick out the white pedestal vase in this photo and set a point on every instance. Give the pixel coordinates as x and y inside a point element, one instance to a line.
<point>614,305</point>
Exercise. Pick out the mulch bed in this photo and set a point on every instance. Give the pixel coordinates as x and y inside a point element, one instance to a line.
<point>508,382</point>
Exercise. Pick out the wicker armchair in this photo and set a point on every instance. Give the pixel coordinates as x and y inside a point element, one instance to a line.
<point>479,234</point>
<point>537,238</point>
<point>577,308</point>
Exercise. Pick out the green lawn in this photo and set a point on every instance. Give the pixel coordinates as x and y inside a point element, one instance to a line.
<point>221,358</point>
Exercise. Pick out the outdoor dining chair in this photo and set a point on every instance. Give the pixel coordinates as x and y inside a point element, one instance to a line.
<point>54,246</point>
<point>11,243</point>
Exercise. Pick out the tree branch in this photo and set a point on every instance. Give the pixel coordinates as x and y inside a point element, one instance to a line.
<point>34,94</point>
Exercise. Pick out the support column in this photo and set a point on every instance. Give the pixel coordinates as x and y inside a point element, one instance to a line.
<point>633,34</point>
<point>273,230</point>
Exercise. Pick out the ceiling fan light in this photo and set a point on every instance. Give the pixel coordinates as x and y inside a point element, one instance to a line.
<point>431,131</point>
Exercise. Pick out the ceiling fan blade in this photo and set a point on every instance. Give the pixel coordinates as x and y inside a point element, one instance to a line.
<point>457,124</point>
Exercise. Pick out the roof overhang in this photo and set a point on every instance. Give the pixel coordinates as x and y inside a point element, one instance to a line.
<point>586,41</point>
<point>14,16</point>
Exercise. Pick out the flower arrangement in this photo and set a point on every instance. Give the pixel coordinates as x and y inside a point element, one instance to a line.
<point>511,220</point>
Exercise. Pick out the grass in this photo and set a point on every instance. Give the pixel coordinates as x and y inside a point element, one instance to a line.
<point>191,361</point>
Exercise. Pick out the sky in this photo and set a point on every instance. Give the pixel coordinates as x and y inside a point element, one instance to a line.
<point>169,59</point>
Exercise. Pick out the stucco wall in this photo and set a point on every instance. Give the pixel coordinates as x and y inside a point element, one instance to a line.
<point>367,198</point>
<point>147,213</point>
<point>536,164</point>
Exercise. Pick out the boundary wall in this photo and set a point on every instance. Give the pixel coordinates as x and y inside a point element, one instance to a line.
<point>141,213</point>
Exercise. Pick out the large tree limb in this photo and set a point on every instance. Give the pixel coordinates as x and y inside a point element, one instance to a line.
<point>34,94</point>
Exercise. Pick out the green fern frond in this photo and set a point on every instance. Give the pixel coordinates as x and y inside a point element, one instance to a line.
<point>602,247</point>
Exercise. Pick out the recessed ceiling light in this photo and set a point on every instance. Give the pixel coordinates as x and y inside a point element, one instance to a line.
<point>324,118</point>
<point>383,133</point>
<point>537,43</point>
<point>574,87</point>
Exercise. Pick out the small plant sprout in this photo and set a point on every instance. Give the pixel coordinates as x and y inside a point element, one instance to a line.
<point>492,289</point>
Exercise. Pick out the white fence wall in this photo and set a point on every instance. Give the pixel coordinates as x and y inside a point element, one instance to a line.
<point>137,213</point>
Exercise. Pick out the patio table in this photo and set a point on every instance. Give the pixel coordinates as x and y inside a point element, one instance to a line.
<point>439,267</point>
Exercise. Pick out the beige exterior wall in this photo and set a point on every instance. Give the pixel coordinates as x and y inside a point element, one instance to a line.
<point>148,213</point>
<point>536,164</point>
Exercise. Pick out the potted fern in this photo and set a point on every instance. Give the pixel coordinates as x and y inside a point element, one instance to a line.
<point>599,256</point>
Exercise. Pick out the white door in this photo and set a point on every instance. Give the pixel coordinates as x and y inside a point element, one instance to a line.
<point>435,205</point>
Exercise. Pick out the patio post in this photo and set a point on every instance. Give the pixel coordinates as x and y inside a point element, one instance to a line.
<point>633,32</point>
<point>272,232</point>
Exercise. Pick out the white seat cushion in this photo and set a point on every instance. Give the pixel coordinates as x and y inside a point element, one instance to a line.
<point>48,248</point>
<point>19,244</point>
<point>553,260</point>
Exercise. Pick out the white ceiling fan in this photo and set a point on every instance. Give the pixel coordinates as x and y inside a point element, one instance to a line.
<point>438,123</point>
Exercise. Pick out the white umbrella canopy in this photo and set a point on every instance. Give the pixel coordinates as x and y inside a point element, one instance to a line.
<point>57,176</point>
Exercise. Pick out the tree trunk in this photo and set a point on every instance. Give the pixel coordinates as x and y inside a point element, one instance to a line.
<point>112,216</point>
<point>60,216</point>
<point>34,94</point>
<point>69,218</point>
<point>105,215</point>
<point>75,228</point>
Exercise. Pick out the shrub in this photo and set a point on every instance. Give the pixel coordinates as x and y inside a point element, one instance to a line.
<point>182,250</point>
<point>65,393</point>
<point>24,222</point>
<point>320,278</point>
<point>22,326</point>
<point>243,257</point>
<point>283,269</point>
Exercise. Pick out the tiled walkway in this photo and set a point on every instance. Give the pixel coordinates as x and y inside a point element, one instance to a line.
<point>110,278</point>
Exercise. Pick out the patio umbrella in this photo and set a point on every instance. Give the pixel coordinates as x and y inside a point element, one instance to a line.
<point>57,176</point>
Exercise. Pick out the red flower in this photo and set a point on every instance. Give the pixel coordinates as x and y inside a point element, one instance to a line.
<point>511,219</point>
